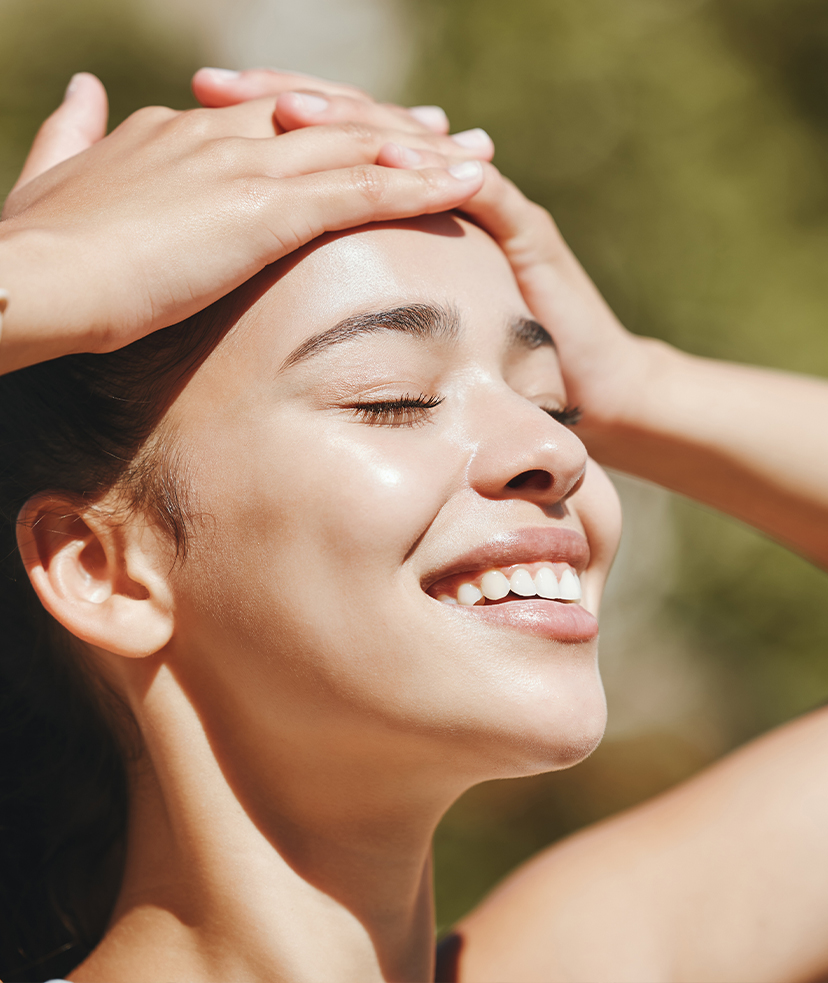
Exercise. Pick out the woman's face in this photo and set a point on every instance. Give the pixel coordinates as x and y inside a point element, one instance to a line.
<point>377,431</point>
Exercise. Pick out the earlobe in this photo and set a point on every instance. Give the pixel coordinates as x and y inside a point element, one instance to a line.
<point>98,576</point>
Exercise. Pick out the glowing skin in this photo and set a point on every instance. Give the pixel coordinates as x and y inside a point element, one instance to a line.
<point>307,589</point>
<point>316,710</point>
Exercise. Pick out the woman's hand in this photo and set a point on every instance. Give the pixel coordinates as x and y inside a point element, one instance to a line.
<point>104,240</point>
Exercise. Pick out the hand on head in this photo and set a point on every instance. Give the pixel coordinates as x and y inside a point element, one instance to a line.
<point>142,205</point>
<point>140,229</point>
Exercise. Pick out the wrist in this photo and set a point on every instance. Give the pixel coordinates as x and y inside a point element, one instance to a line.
<point>632,407</point>
<point>41,320</point>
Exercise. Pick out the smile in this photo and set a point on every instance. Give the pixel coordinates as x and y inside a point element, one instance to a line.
<point>554,582</point>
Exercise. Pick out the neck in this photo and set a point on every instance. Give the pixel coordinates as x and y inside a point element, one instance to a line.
<point>292,868</point>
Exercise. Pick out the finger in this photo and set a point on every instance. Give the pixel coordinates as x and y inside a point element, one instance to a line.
<point>524,230</point>
<point>327,148</point>
<point>303,109</point>
<point>215,87</point>
<point>399,155</point>
<point>74,126</point>
<point>540,258</point>
<point>307,107</point>
<point>432,117</point>
<point>355,196</point>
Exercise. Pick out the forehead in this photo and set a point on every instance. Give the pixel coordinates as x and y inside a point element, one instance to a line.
<point>430,260</point>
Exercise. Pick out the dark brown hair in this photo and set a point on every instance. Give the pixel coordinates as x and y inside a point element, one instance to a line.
<point>80,425</point>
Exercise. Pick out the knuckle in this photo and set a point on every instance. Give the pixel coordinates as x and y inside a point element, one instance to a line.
<point>371,182</point>
<point>194,123</point>
<point>223,155</point>
<point>152,116</point>
<point>358,132</point>
<point>433,180</point>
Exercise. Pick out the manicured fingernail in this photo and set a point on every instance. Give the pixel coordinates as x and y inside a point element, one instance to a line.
<point>408,156</point>
<point>431,116</point>
<point>222,75</point>
<point>475,139</point>
<point>309,103</point>
<point>73,84</point>
<point>469,170</point>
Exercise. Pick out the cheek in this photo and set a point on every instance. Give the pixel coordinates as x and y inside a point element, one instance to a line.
<point>323,502</point>
<point>599,510</point>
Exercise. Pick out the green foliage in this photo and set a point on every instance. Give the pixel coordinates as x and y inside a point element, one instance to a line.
<point>682,146</point>
<point>44,42</point>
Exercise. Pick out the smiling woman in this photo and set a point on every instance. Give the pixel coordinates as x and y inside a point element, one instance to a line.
<point>286,578</point>
<point>360,431</point>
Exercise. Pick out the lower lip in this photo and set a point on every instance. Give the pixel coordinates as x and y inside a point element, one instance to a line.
<point>547,619</point>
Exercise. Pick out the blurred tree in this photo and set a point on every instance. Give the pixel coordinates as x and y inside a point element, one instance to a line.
<point>44,42</point>
<point>682,146</point>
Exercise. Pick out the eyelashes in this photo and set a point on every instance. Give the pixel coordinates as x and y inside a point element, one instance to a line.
<point>413,411</point>
<point>407,411</point>
<point>569,416</point>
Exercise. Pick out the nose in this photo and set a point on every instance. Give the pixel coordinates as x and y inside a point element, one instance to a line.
<point>524,453</point>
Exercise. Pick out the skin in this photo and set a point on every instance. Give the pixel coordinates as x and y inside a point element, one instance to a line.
<point>298,753</point>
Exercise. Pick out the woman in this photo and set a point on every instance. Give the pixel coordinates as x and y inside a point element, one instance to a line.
<point>257,553</point>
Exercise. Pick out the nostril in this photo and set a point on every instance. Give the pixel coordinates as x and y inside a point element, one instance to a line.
<point>535,480</point>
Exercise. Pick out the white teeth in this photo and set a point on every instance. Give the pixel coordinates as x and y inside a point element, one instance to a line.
<point>494,585</point>
<point>546,583</point>
<point>468,595</point>
<point>521,583</point>
<point>570,588</point>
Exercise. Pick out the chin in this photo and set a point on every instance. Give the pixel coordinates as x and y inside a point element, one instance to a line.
<point>556,732</point>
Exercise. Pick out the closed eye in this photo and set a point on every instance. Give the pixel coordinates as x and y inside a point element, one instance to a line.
<point>569,416</point>
<point>407,411</point>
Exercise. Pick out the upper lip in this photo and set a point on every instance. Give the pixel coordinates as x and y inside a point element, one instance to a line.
<point>553,544</point>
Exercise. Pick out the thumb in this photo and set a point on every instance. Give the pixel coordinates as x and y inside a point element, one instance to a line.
<point>74,126</point>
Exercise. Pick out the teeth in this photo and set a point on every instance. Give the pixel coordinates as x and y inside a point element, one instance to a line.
<point>546,583</point>
<point>521,583</point>
<point>494,585</point>
<point>570,588</point>
<point>468,595</point>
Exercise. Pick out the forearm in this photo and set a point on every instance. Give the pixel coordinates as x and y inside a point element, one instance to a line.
<point>750,442</point>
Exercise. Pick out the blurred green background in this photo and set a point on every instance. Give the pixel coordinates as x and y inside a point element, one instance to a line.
<point>682,146</point>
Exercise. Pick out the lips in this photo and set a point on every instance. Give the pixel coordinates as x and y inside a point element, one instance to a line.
<point>523,546</point>
<point>556,615</point>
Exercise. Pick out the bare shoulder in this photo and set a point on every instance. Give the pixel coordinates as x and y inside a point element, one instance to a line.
<point>723,878</point>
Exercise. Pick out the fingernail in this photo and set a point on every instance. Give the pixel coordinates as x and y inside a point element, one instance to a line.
<point>73,84</point>
<point>222,75</point>
<point>309,103</point>
<point>469,170</point>
<point>475,139</point>
<point>408,156</point>
<point>431,116</point>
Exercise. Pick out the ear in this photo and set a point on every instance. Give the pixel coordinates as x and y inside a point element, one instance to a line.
<point>100,577</point>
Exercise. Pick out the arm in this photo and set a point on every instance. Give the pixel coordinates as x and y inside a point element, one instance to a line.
<point>105,239</point>
<point>720,879</point>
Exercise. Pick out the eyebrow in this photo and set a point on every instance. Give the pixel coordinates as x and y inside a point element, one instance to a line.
<point>426,321</point>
